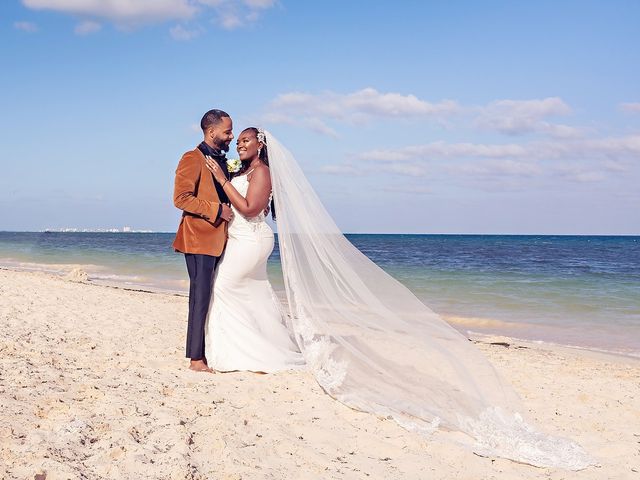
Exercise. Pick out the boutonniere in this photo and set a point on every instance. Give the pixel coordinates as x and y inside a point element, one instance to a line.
<point>233,165</point>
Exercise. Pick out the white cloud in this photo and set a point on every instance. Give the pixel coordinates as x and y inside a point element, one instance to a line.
<point>128,14</point>
<point>361,106</point>
<point>371,102</point>
<point>574,160</point>
<point>611,147</point>
<point>633,107</point>
<point>615,148</point>
<point>498,168</point>
<point>28,27</point>
<point>87,27</point>
<point>580,174</point>
<point>559,152</point>
<point>518,117</point>
<point>230,20</point>
<point>510,117</point>
<point>413,169</point>
<point>261,4</point>
<point>533,108</point>
<point>123,12</point>
<point>408,189</point>
<point>342,170</point>
<point>439,150</point>
<point>318,126</point>
<point>408,169</point>
<point>560,131</point>
<point>584,177</point>
<point>236,14</point>
<point>182,33</point>
<point>615,166</point>
<point>312,123</point>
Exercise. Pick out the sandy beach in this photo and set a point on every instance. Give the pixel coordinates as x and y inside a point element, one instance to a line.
<point>93,384</point>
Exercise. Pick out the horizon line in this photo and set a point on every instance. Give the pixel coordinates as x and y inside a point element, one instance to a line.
<point>144,232</point>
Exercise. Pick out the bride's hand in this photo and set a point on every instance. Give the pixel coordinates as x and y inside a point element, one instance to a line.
<point>214,168</point>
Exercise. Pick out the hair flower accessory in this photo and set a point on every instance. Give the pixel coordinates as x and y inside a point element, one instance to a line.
<point>233,165</point>
<point>261,136</point>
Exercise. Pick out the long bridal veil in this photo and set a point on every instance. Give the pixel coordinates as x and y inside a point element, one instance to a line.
<point>374,346</point>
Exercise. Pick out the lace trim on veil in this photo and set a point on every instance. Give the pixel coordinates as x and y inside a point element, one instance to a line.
<point>497,431</point>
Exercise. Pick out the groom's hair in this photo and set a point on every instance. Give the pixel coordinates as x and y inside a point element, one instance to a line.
<point>211,118</point>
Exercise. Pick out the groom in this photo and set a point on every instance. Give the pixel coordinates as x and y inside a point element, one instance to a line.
<point>202,233</point>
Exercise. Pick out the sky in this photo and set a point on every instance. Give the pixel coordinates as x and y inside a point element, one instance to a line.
<point>406,116</point>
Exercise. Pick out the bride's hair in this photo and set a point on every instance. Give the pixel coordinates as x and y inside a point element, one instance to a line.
<point>264,157</point>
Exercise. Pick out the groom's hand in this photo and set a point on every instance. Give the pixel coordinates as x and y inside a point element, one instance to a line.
<point>226,213</point>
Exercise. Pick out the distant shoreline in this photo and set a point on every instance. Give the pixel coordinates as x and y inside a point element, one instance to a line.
<point>106,231</point>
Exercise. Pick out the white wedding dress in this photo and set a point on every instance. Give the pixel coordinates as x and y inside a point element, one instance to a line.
<point>367,339</point>
<point>246,328</point>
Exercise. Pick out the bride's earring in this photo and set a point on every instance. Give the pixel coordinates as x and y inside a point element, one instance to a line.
<point>259,150</point>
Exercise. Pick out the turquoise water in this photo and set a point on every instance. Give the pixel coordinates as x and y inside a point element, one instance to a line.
<point>576,290</point>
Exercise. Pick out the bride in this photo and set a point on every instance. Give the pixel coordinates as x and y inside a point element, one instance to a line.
<point>245,330</point>
<point>367,339</point>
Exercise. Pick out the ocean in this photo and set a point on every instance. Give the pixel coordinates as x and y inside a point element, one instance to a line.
<point>581,291</point>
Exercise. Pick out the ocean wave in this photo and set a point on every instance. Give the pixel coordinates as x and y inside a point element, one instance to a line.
<point>173,286</point>
<point>618,351</point>
<point>55,268</point>
<point>101,274</point>
<point>481,322</point>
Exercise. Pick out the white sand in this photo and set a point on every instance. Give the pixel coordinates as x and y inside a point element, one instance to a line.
<point>93,384</point>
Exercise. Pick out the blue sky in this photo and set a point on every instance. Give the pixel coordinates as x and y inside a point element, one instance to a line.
<point>415,116</point>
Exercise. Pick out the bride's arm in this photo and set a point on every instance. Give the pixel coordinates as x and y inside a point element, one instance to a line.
<point>257,195</point>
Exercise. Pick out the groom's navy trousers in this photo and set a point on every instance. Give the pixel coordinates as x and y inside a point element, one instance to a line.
<point>201,269</point>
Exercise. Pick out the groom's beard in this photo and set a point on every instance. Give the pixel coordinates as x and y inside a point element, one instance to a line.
<point>222,145</point>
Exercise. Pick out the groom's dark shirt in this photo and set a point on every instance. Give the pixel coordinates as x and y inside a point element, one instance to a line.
<point>221,159</point>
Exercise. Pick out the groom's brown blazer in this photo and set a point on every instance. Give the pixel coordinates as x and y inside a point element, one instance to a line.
<point>195,194</point>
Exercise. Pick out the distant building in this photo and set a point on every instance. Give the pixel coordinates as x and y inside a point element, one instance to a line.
<point>126,229</point>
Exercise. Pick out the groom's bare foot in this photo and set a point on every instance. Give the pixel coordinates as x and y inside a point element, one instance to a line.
<point>200,366</point>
